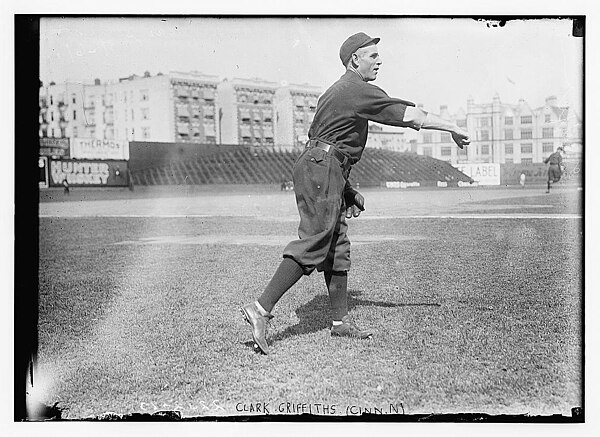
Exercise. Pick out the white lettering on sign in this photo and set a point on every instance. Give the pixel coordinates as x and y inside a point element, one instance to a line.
<point>79,173</point>
<point>401,184</point>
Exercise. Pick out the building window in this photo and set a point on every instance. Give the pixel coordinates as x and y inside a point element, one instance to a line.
<point>52,117</point>
<point>145,133</point>
<point>485,149</point>
<point>526,160</point>
<point>526,134</point>
<point>257,140</point>
<point>526,148</point>
<point>74,115</point>
<point>446,151</point>
<point>508,161</point>
<point>547,132</point>
<point>547,147</point>
<point>132,117</point>
<point>427,151</point>
<point>508,149</point>
<point>508,134</point>
<point>461,123</point>
<point>145,113</point>
<point>75,132</point>
<point>484,122</point>
<point>526,119</point>
<point>427,138</point>
<point>144,95</point>
<point>547,118</point>
<point>508,121</point>
<point>484,135</point>
<point>51,102</point>
<point>73,99</point>
<point>446,137</point>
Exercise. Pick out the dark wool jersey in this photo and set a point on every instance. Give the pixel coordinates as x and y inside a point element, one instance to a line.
<point>554,159</point>
<point>344,110</point>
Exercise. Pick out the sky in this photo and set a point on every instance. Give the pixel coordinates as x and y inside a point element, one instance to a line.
<point>432,61</point>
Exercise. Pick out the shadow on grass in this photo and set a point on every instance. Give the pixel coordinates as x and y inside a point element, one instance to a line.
<point>315,315</point>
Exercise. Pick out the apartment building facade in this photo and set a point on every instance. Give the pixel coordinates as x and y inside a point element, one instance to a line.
<point>247,112</point>
<point>178,107</point>
<point>295,107</point>
<point>505,133</point>
<point>387,138</point>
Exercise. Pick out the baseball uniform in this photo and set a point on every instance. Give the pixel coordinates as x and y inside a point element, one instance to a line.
<point>337,138</point>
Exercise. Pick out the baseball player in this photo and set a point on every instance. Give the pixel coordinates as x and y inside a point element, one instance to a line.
<point>555,169</point>
<point>325,199</point>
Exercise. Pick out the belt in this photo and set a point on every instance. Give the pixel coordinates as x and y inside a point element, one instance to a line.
<point>330,149</point>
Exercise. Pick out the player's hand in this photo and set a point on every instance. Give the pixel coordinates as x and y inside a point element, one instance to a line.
<point>357,208</point>
<point>461,138</point>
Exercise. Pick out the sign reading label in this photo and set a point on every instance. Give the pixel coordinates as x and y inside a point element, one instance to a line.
<point>484,174</point>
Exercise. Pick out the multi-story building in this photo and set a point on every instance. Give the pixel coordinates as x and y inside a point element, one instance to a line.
<point>178,107</point>
<point>246,112</point>
<point>61,110</point>
<point>195,116</point>
<point>387,138</point>
<point>295,106</point>
<point>504,133</point>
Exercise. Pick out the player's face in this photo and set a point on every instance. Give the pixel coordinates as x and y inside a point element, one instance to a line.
<point>368,61</point>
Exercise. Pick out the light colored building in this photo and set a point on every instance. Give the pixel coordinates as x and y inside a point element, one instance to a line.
<point>504,133</point>
<point>387,138</point>
<point>246,112</point>
<point>61,110</point>
<point>295,107</point>
<point>177,107</point>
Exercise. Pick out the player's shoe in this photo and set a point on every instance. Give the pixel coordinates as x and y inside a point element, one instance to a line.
<point>349,329</point>
<point>259,325</point>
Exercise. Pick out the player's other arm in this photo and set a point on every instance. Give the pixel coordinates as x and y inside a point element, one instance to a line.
<point>427,120</point>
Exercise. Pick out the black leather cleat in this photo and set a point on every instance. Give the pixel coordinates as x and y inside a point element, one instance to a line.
<point>349,329</point>
<point>259,325</point>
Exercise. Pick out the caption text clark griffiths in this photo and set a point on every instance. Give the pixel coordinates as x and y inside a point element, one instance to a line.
<point>321,409</point>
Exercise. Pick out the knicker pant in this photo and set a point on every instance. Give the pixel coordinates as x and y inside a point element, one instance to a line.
<point>554,173</point>
<point>323,243</point>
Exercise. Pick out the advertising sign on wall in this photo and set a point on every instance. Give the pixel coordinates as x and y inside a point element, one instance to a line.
<point>90,148</point>
<point>483,174</point>
<point>88,173</point>
<point>57,147</point>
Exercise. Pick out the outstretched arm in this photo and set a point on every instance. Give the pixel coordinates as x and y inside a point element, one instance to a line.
<point>428,120</point>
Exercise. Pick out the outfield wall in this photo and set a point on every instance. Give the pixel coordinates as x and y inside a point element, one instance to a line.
<point>538,173</point>
<point>143,155</point>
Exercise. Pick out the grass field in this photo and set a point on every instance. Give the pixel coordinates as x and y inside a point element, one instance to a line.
<point>475,297</point>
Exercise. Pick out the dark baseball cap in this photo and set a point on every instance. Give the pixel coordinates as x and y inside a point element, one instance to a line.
<point>353,43</point>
